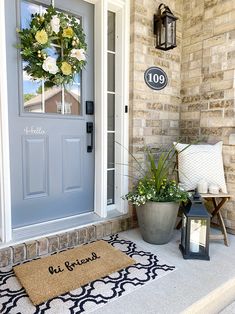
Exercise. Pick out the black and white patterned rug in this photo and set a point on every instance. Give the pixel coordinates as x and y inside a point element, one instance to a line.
<point>148,267</point>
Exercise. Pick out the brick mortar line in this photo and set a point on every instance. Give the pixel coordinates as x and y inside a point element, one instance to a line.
<point>47,245</point>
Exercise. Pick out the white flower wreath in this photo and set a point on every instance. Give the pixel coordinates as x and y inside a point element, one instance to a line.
<point>62,33</point>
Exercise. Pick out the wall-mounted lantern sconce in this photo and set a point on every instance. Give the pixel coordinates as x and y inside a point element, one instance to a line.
<point>165,28</point>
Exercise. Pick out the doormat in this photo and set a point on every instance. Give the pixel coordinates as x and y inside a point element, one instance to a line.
<point>90,297</point>
<point>48,277</point>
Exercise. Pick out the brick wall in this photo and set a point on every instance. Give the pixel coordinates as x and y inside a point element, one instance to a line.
<point>208,74</point>
<point>198,101</point>
<point>154,115</point>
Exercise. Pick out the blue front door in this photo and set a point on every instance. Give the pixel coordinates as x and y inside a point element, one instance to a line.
<point>52,171</point>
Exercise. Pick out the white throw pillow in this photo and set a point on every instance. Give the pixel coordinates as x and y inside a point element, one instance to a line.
<point>200,162</point>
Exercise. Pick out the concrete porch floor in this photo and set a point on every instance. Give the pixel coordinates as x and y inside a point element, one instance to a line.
<point>195,287</point>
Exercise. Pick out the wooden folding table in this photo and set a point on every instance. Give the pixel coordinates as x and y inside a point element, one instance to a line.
<point>218,200</point>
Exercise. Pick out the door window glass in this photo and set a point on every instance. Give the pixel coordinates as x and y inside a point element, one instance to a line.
<point>111,72</point>
<point>37,98</point>
<point>111,111</point>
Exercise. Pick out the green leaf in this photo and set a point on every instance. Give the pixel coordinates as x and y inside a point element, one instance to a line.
<point>29,46</point>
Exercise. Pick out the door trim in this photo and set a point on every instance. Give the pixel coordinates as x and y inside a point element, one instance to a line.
<point>5,187</point>
<point>121,7</point>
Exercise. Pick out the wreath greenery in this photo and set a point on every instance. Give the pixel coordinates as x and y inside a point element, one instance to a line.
<point>54,30</point>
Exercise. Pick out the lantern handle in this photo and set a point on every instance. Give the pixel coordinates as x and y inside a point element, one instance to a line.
<point>165,7</point>
<point>196,195</point>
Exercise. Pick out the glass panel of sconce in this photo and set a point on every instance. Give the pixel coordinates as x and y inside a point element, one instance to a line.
<point>171,31</point>
<point>162,35</point>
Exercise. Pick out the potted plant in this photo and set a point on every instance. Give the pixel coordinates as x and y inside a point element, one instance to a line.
<point>156,196</point>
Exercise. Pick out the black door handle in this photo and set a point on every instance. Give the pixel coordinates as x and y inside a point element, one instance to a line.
<point>90,130</point>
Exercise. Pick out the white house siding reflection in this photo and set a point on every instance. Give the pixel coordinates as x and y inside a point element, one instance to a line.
<point>53,102</point>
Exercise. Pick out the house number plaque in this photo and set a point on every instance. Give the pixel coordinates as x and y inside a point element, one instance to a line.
<point>155,78</point>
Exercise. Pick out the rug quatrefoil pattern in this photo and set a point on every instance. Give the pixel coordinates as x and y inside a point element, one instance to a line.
<point>148,267</point>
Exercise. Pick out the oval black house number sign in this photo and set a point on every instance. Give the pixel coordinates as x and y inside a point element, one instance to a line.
<point>155,78</point>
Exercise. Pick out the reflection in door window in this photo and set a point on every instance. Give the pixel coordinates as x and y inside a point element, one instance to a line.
<point>38,98</point>
<point>67,107</point>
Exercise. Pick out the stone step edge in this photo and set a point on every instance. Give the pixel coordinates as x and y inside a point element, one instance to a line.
<point>215,301</point>
<point>42,246</point>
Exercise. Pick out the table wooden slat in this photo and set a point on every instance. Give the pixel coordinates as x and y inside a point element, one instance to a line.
<point>217,205</point>
<point>220,195</point>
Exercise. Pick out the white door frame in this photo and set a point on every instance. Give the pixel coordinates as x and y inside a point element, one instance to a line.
<point>121,8</point>
<point>5,187</point>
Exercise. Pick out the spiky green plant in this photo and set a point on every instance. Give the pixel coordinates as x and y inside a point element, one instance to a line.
<point>155,182</point>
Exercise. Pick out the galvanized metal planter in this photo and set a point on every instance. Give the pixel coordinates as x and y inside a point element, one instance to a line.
<point>157,220</point>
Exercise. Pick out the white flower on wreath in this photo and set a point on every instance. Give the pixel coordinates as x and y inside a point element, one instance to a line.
<point>79,54</point>
<point>49,65</point>
<point>55,24</point>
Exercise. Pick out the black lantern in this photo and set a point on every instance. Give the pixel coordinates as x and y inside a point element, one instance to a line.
<point>195,229</point>
<point>165,28</point>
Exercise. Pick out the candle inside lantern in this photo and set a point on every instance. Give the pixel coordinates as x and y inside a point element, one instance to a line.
<point>195,236</point>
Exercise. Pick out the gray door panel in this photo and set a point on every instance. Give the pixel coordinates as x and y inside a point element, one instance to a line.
<point>52,174</point>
